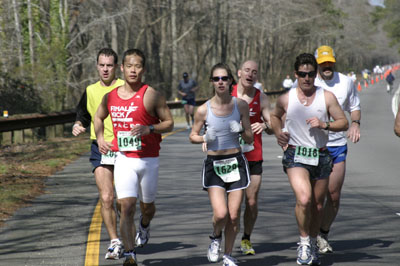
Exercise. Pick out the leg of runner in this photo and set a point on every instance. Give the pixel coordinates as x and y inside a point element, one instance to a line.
<point>232,225</point>
<point>299,179</point>
<point>104,181</point>
<point>250,213</point>
<point>220,216</point>
<point>147,213</point>
<point>331,208</point>
<point>186,108</point>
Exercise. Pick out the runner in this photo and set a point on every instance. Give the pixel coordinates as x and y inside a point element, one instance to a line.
<point>306,159</point>
<point>107,63</point>
<point>187,88</point>
<point>345,91</point>
<point>139,114</point>
<point>260,120</point>
<point>225,170</point>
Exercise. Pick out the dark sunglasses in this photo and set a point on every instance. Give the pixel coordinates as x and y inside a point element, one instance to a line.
<point>216,79</point>
<point>302,74</point>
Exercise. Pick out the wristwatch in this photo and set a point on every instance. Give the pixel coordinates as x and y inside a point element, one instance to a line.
<point>151,127</point>
<point>356,121</point>
<point>327,125</point>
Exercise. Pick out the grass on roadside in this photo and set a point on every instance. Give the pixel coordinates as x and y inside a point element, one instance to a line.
<point>24,168</point>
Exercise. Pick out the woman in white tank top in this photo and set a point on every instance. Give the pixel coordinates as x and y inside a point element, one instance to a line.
<point>225,169</point>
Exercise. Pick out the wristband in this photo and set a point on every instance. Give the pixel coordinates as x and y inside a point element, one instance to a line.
<point>356,121</point>
<point>327,125</point>
<point>76,125</point>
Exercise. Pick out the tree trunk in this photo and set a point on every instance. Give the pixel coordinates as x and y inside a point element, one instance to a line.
<point>31,44</point>
<point>18,34</point>
<point>174,61</point>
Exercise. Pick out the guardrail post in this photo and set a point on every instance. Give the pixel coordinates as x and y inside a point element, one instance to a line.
<point>59,130</point>
<point>6,138</point>
<point>50,132</point>
<point>18,137</point>
<point>28,135</point>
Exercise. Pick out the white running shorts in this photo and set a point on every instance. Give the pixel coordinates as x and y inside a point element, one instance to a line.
<point>135,177</point>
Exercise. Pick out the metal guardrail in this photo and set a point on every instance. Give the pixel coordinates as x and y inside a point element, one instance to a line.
<point>42,120</point>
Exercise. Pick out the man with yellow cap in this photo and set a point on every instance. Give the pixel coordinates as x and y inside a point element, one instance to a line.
<point>345,91</point>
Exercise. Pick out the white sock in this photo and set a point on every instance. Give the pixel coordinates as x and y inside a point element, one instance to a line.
<point>305,240</point>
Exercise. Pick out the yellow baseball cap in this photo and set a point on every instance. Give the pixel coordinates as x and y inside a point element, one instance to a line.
<point>324,54</point>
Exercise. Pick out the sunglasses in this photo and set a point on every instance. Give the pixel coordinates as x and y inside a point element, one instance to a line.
<point>216,79</point>
<point>310,74</point>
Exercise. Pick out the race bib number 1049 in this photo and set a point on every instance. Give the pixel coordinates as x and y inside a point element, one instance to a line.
<point>127,142</point>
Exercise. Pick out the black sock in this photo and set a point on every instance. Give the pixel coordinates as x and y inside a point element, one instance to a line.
<point>245,236</point>
<point>213,236</point>
<point>324,232</point>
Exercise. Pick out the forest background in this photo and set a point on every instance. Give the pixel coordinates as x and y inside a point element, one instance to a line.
<point>48,48</point>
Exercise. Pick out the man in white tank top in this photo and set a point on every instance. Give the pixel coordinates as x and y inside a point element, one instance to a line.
<point>345,91</point>
<point>306,159</point>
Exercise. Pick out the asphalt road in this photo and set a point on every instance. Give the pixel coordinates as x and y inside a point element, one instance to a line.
<point>53,230</point>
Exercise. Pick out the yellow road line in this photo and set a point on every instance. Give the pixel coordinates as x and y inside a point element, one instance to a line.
<point>93,242</point>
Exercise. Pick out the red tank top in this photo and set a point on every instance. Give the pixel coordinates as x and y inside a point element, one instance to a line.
<point>255,116</point>
<point>127,113</point>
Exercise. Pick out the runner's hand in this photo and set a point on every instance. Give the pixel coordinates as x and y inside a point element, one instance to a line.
<point>204,146</point>
<point>354,132</point>
<point>77,130</point>
<point>258,128</point>
<point>210,135</point>
<point>104,146</point>
<point>314,122</point>
<point>235,126</point>
<point>140,130</point>
<point>283,139</point>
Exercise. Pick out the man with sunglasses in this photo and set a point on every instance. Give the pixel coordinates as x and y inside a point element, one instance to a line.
<point>260,120</point>
<point>345,91</point>
<point>306,160</point>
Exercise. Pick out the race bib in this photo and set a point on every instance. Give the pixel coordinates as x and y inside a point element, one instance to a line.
<point>245,146</point>
<point>127,142</point>
<point>306,155</point>
<point>227,170</point>
<point>108,159</point>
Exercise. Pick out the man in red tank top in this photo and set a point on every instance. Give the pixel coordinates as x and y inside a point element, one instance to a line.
<point>139,115</point>
<point>259,118</point>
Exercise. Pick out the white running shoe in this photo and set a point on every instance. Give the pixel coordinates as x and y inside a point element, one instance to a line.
<point>304,254</point>
<point>323,245</point>
<point>114,250</point>
<point>213,249</point>
<point>229,261</point>
<point>143,234</point>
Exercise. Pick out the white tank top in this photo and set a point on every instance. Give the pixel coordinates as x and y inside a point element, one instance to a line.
<point>301,134</point>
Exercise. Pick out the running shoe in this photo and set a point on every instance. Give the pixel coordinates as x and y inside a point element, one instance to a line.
<point>304,254</point>
<point>315,255</point>
<point>323,245</point>
<point>188,127</point>
<point>213,249</point>
<point>143,234</point>
<point>246,247</point>
<point>114,250</point>
<point>130,259</point>
<point>229,261</point>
